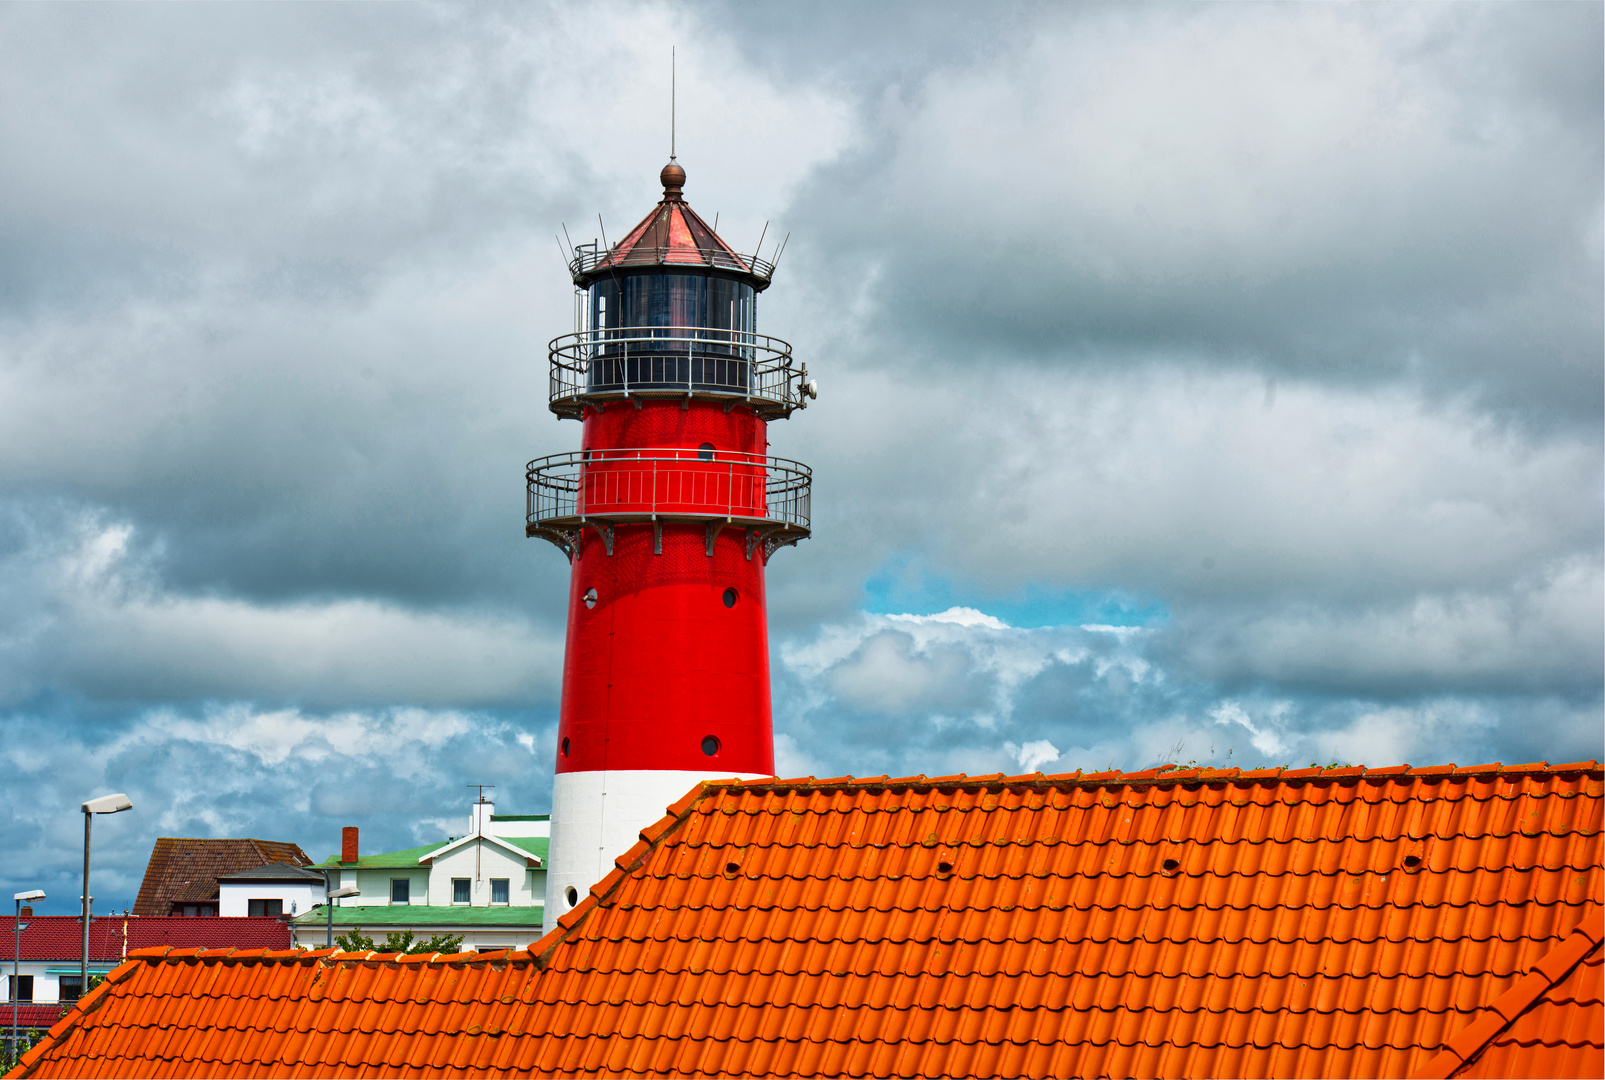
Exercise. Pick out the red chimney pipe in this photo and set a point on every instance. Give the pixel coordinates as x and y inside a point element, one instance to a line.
<point>348,844</point>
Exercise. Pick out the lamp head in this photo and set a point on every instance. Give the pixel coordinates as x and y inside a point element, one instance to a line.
<point>31,894</point>
<point>349,890</point>
<point>108,804</point>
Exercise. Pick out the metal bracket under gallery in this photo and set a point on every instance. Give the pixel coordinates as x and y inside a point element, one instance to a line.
<point>767,498</point>
<point>730,367</point>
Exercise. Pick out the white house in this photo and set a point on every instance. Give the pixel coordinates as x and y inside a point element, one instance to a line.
<point>488,885</point>
<point>274,889</point>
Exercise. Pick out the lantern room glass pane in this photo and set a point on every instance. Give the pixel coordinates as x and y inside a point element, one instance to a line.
<point>672,330</point>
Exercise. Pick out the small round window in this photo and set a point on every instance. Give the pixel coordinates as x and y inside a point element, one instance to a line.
<point>565,746</point>
<point>710,745</point>
<point>730,597</point>
<point>705,451</point>
<point>590,598</point>
<point>572,895</point>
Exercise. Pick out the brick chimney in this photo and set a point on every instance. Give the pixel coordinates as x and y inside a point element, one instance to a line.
<point>348,844</point>
<point>27,912</point>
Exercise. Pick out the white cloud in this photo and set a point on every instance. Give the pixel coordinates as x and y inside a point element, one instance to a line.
<point>92,616</point>
<point>1032,755</point>
<point>1262,736</point>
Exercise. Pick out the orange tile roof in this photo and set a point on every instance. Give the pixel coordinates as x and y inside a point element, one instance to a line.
<point>1180,923</point>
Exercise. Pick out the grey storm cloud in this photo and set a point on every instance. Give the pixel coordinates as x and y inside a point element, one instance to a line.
<point>1280,325</point>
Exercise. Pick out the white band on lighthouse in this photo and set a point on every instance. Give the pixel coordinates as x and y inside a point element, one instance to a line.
<point>598,816</point>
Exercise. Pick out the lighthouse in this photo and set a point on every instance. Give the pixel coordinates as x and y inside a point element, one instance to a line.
<point>668,514</point>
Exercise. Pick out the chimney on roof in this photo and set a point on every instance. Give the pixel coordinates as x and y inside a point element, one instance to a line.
<point>27,911</point>
<point>348,844</point>
<point>479,820</point>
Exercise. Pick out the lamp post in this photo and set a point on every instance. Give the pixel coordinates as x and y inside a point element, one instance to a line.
<point>106,804</point>
<point>330,895</point>
<point>16,952</point>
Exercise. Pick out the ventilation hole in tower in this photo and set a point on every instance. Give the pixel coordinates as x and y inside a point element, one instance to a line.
<point>710,745</point>
<point>1412,861</point>
<point>1171,866</point>
<point>944,868</point>
<point>590,598</point>
<point>730,597</point>
<point>565,746</point>
<point>732,868</point>
<point>705,451</point>
<point>572,895</point>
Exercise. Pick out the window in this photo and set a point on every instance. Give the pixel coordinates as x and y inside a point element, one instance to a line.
<point>22,988</point>
<point>459,890</point>
<point>71,987</point>
<point>498,890</point>
<point>400,890</point>
<point>264,908</point>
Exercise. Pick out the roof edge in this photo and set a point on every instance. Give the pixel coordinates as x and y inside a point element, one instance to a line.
<point>1164,776</point>
<point>1468,1044</point>
<point>674,819</point>
<point>85,1005</point>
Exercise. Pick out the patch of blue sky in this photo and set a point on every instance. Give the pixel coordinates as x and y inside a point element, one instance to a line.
<point>906,585</point>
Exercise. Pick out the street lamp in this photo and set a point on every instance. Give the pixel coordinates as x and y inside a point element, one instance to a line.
<point>106,804</point>
<point>17,927</point>
<point>330,896</point>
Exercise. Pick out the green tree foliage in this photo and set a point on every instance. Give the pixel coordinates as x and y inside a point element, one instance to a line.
<point>399,942</point>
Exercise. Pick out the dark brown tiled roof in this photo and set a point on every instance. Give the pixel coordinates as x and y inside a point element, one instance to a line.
<point>185,870</point>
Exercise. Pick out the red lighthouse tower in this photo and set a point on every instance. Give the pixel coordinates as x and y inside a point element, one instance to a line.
<point>668,514</point>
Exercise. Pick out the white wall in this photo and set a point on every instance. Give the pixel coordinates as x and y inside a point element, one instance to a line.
<point>479,861</point>
<point>46,988</point>
<point>432,884</point>
<point>233,898</point>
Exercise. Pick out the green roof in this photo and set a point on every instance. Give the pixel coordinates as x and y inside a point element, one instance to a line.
<point>535,845</point>
<point>392,860</point>
<point>424,915</point>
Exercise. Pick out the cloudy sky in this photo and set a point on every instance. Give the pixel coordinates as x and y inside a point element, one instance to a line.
<point>1216,384</point>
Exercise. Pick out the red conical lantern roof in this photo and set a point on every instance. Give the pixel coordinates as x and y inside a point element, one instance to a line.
<point>673,234</point>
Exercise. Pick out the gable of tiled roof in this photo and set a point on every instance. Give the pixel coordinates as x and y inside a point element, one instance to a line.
<point>1548,1024</point>
<point>1308,922</point>
<point>185,869</point>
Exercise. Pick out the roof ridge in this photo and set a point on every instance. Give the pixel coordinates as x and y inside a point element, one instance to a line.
<point>1470,1041</point>
<point>1167,775</point>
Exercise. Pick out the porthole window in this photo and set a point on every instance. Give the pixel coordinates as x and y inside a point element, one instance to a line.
<point>565,746</point>
<point>730,597</point>
<point>572,895</point>
<point>705,451</point>
<point>590,598</point>
<point>710,745</point>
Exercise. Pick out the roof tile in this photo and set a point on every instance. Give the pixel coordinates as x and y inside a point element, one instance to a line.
<point>1168,922</point>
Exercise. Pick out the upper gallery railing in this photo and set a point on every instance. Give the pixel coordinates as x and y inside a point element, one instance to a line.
<point>596,365</point>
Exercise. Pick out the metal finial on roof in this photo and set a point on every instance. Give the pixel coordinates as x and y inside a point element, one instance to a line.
<point>673,179</point>
<point>671,102</point>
